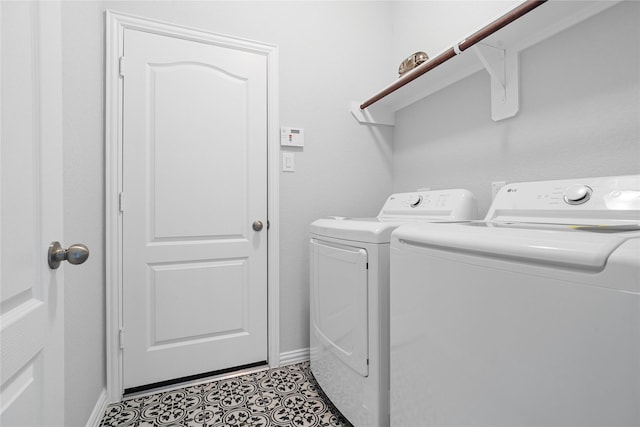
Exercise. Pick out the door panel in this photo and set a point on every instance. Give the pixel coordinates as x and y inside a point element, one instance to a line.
<point>31,295</point>
<point>218,311</point>
<point>187,140</point>
<point>194,180</point>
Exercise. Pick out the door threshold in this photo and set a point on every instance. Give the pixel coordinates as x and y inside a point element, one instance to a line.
<point>192,380</point>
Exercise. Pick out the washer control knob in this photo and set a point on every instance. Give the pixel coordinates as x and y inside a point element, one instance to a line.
<point>577,194</point>
<point>415,200</point>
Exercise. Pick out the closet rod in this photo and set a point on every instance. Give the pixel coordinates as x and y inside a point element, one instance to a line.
<point>479,35</point>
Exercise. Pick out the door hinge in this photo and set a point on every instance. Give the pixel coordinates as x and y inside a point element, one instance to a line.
<point>121,338</point>
<point>121,202</point>
<point>121,66</point>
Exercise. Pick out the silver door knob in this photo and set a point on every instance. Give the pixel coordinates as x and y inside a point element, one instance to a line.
<point>257,225</point>
<point>75,254</point>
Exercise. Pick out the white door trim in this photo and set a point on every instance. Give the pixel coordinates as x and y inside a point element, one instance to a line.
<point>116,23</point>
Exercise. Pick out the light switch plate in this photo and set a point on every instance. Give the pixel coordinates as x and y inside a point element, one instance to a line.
<point>288,162</point>
<point>291,137</point>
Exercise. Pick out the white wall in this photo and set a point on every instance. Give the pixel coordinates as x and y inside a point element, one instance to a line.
<point>579,116</point>
<point>330,54</point>
<point>83,183</point>
<point>436,25</point>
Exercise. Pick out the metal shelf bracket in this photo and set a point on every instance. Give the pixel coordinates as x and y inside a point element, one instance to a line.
<point>502,66</point>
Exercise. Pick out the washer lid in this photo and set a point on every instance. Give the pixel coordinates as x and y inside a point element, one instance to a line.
<point>585,247</point>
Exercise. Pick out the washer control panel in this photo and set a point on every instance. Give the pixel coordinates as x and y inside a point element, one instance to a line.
<point>577,194</point>
<point>586,199</point>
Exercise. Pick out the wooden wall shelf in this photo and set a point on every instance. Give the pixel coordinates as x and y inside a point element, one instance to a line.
<point>498,54</point>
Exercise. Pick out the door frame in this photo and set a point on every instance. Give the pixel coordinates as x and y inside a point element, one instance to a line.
<point>116,23</point>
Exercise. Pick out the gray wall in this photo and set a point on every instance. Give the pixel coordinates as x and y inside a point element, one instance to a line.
<point>330,54</point>
<point>579,116</point>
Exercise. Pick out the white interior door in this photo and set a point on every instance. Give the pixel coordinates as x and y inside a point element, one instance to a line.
<point>194,181</point>
<point>31,294</point>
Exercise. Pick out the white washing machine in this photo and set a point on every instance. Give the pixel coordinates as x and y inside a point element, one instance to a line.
<point>529,318</point>
<point>349,262</point>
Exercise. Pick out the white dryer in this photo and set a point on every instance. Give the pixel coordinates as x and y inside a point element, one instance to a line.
<point>349,324</point>
<point>529,318</point>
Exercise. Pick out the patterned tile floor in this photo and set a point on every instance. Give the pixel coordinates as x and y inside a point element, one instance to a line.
<point>286,396</point>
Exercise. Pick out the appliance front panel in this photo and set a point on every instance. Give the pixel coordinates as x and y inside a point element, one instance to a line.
<point>339,310</point>
<point>501,344</point>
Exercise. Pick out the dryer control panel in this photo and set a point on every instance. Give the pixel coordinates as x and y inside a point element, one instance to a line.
<point>601,200</point>
<point>447,205</point>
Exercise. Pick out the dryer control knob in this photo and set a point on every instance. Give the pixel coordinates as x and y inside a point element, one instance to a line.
<point>415,200</point>
<point>577,194</point>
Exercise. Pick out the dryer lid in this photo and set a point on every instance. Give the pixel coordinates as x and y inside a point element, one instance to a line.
<point>366,230</point>
<point>561,245</point>
<point>363,230</point>
<point>434,206</point>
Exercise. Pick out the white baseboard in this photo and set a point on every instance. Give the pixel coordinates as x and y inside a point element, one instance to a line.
<point>98,410</point>
<point>294,356</point>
